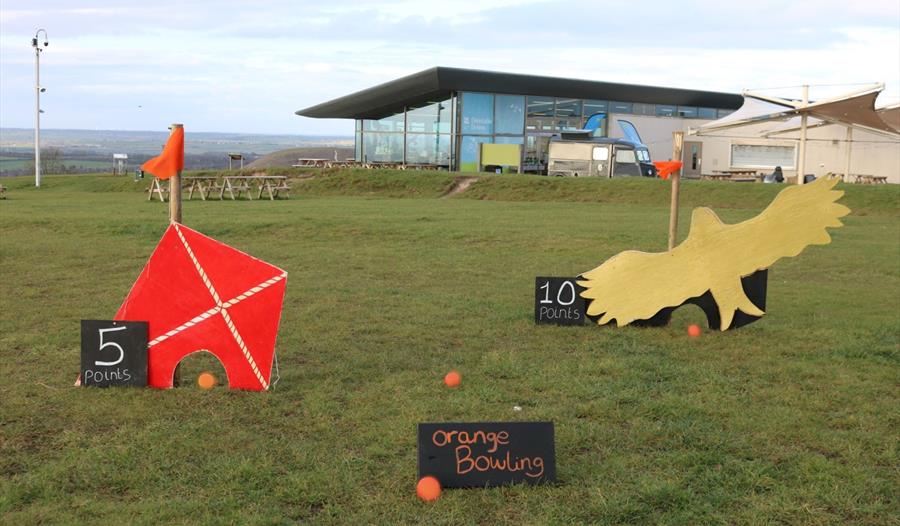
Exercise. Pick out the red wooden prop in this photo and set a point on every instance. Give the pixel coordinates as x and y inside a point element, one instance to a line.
<point>201,295</point>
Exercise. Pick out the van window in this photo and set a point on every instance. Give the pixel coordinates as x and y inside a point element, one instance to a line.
<point>643,155</point>
<point>625,156</point>
<point>601,153</point>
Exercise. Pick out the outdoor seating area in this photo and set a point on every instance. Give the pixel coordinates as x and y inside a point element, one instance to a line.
<point>304,162</point>
<point>215,187</point>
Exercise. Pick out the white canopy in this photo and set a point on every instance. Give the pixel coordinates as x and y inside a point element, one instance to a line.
<point>854,110</point>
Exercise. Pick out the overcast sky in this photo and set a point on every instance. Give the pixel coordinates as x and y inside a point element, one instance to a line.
<point>247,66</point>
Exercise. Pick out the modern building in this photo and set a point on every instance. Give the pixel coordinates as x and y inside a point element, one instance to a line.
<point>439,116</point>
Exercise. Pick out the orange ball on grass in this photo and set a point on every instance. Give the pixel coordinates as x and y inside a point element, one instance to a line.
<point>428,488</point>
<point>452,379</point>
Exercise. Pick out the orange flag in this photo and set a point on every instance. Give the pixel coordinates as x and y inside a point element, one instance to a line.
<point>667,168</point>
<point>171,160</point>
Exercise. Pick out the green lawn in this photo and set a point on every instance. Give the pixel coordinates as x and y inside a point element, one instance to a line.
<point>791,420</point>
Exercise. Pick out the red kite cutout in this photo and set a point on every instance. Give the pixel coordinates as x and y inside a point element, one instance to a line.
<point>201,295</point>
<point>667,168</point>
<point>171,160</point>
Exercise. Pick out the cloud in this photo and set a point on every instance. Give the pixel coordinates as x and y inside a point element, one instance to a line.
<point>239,66</point>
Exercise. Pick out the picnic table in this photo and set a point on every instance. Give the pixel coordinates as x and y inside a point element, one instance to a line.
<point>308,162</point>
<point>204,185</point>
<point>869,179</point>
<point>245,183</point>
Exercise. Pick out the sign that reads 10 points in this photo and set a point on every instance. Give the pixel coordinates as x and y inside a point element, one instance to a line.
<point>113,353</point>
<point>558,301</point>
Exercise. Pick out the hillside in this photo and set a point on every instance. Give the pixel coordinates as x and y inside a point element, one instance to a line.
<point>288,157</point>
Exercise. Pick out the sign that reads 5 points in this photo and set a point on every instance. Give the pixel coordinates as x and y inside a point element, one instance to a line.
<point>113,353</point>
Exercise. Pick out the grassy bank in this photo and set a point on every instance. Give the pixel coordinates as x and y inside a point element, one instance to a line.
<point>790,420</point>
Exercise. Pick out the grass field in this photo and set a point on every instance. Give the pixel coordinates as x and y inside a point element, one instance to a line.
<point>791,420</point>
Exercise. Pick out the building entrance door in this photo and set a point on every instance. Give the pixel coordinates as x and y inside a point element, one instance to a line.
<point>692,157</point>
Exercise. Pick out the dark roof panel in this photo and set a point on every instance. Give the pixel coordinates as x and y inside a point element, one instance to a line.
<point>437,84</point>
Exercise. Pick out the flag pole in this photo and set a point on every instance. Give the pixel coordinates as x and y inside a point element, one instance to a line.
<point>175,190</point>
<point>677,146</point>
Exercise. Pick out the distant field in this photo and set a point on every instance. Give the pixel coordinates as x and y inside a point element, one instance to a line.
<point>791,420</point>
<point>11,163</point>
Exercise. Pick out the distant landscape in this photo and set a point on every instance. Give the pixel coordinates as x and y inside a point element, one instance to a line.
<point>80,151</point>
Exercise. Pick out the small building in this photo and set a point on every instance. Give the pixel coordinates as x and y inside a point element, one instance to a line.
<point>441,115</point>
<point>120,163</point>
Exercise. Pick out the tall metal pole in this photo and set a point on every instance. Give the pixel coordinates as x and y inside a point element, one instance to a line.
<point>37,103</point>
<point>801,168</point>
<point>37,115</point>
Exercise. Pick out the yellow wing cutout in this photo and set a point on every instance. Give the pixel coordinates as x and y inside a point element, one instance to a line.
<point>715,256</point>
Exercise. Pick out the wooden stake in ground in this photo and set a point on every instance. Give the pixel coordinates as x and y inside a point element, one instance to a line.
<point>175,190</point>
<point>677,145</point>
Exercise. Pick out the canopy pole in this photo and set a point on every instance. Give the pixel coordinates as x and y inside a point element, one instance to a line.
<point>801,168</point>
<point>849,151</point>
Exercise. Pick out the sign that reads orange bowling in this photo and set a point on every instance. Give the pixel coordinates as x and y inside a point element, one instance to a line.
<point>481,454</point>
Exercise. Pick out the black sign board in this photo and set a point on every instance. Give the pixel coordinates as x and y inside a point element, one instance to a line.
<point>113,353</point>
<point>558,301</point>
<point>480,454</point>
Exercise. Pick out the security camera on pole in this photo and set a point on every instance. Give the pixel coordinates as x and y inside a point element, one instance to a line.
<point>37,104</point>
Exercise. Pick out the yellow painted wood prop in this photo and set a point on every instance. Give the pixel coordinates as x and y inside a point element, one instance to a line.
<point>634,285</point>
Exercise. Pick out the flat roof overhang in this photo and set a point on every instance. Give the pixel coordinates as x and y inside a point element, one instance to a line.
<point>438,83</point>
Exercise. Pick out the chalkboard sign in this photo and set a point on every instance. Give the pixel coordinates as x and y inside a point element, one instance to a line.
<point>480,454</point>
<point>558,301</point>
<point>113,353</point>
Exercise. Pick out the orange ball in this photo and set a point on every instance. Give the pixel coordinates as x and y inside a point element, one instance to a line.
<point>452,379</point>
<point>206,381</point>
<point>693,330</point>
<point>428,488</point>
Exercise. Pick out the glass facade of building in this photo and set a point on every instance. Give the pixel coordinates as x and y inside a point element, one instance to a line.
<point>448,133</point>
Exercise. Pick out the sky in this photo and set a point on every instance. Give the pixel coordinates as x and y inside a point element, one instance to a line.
<point>237,66</point>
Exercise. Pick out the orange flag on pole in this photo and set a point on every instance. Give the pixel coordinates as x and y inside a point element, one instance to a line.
<point>171,160</point>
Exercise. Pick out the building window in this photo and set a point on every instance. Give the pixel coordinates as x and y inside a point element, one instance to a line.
<point>640,108</point>
<point>540,106</point>
<point>688,112</point>
<point>568,108</point>
<point>546,124</point>
<point>665,110</point>
<point>509,112</point>
<point>763,155</point>
<point>424,148</point>
<point>478,113</point>
<point>433,117</point>
<point>595,106</point>
<point>394,123</point>
<point>706,113</point>
<point>383,147</point>
<point>620,107</point>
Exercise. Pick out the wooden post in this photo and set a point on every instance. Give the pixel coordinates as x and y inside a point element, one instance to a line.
<point>677,146</point>
<point>175,191</point>
<point>175,217</point>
